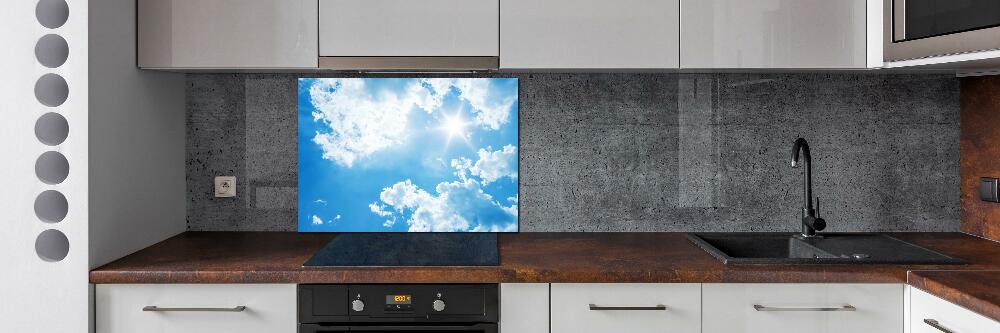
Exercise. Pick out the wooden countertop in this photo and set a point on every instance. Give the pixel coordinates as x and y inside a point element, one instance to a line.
<point>277,257</point>
<point>978,291</point>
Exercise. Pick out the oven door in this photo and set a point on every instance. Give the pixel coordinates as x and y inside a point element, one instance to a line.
<point>926,28</point>
<point>474,328</point>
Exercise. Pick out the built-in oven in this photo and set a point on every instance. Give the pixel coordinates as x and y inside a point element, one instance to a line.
<point>928,28</point>
<point>387,308</point>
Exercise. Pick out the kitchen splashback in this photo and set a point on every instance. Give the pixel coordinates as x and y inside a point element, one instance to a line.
<point>639,152</point>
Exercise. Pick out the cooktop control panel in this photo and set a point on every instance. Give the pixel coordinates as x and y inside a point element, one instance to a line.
<point>418,302</point>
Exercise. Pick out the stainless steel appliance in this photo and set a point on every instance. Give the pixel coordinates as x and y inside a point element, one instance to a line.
<point>385,308</point>
<point>916,29</point>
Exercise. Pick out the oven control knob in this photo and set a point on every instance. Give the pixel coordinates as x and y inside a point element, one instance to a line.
<point>438,305</point>
<point>358,305</point>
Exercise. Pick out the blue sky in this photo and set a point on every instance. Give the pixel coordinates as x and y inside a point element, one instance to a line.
<point>407,155</point>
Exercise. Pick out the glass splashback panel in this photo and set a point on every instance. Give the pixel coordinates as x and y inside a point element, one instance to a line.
<point>408,155</point>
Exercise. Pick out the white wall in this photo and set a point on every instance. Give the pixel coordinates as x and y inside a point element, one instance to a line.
<point>137,188</point>
<point>38,295</point>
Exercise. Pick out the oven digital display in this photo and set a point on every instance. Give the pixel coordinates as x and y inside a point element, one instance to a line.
<point>398,299</point>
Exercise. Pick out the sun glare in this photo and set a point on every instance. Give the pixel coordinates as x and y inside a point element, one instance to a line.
<point>454,126</point>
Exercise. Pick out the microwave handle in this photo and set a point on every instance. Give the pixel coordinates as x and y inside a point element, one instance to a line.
<point>898,17</point>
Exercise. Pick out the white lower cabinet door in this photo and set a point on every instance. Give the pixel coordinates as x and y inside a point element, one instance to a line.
<point>196,308</point>
<point>802,308</point>
<point>930,314</point>
<point>625,307</point>
<point>524,308</point>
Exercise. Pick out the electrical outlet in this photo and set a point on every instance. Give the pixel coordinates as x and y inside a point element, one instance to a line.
<point>225,187</point>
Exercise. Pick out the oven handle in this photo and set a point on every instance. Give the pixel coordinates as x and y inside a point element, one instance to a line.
<point>481,327</point>
<point>487,328</point>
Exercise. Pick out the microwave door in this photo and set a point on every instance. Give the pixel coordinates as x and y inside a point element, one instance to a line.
<point>916,19</point>
<point>916,29</point>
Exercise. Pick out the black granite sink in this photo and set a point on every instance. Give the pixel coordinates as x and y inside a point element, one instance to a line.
<point>838,248</point>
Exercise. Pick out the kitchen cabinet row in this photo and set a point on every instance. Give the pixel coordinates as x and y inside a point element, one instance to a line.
<point>512,34</point>
<point>732,307</point>
<point>572,307</point>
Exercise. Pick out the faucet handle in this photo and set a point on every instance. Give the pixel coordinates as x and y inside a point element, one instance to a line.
<point>817,206</point>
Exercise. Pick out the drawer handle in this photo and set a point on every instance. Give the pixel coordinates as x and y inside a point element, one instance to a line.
<point>658,307</point>
<point>154,308</point>
<point>935,324</point>
<point>848,307</point>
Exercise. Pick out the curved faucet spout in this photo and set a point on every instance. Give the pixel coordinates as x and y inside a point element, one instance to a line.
<point>810,222</point>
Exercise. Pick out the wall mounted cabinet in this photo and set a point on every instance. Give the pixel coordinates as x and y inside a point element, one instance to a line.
<point>775,34</point>
<point>206,34</point>
<point>396,34</point>
<point>589,34</point>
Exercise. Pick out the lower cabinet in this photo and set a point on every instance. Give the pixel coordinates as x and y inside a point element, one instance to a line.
<point>817,308</point>
<point>930,314</point>
<point>195,308</point>
<point>524,307</point>
<point>625,307</point>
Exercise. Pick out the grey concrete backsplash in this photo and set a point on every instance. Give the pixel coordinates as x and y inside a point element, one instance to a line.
<point>639,152</point>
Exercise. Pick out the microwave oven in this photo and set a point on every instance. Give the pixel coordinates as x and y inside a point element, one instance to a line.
<point>915,29</point>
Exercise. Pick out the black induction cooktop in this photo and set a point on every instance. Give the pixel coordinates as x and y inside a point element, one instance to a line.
<point>408,249</point>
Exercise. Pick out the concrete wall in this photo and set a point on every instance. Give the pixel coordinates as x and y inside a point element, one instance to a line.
<point>640,152</point>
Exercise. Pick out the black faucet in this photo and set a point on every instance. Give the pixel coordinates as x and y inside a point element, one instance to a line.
<point>810,221</point>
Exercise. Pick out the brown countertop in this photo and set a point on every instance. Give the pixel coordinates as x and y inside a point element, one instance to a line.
<point>978,291</point>
<point>277,257</point>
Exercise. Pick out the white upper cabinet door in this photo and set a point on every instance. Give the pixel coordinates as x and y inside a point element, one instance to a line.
<point>409,28</point>
<point>626,307</point>
<point>589,34</point>
<point>773,34</point>
<point>815,308</point>
<point>227,33</point>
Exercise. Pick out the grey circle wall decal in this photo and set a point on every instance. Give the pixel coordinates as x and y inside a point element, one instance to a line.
<point>52,13</point>
<point>51,129</point>
<point>51,51</point>
<point>51,90</point>
<point>52,167</point>
<point>52,245</point>
<point>51,206</point>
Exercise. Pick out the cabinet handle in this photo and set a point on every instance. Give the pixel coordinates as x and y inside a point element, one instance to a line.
<point>661,307</point>
<point>154,308</point>
<point>935,324</point>
<point>848,307</point>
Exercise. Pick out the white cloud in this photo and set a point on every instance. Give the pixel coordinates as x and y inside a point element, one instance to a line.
<point>490,111</point>
<point>320,201</point>
<point>457,206</point>
<point>378,209</point>
<point>337,217</point>
<point>362,122</point>
<point>316,220</point>
<point>491,165</point>
<point>389,222</point>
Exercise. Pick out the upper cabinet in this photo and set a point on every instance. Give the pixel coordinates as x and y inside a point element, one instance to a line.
<point>775,34</point>
<point>589,34</point>
<point>408,34</point>
<point>197,34</point>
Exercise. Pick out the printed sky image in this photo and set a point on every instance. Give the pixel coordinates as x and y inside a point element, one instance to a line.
<point>407,155</point>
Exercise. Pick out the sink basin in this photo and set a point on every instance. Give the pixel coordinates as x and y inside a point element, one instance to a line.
<point>785,248</point>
